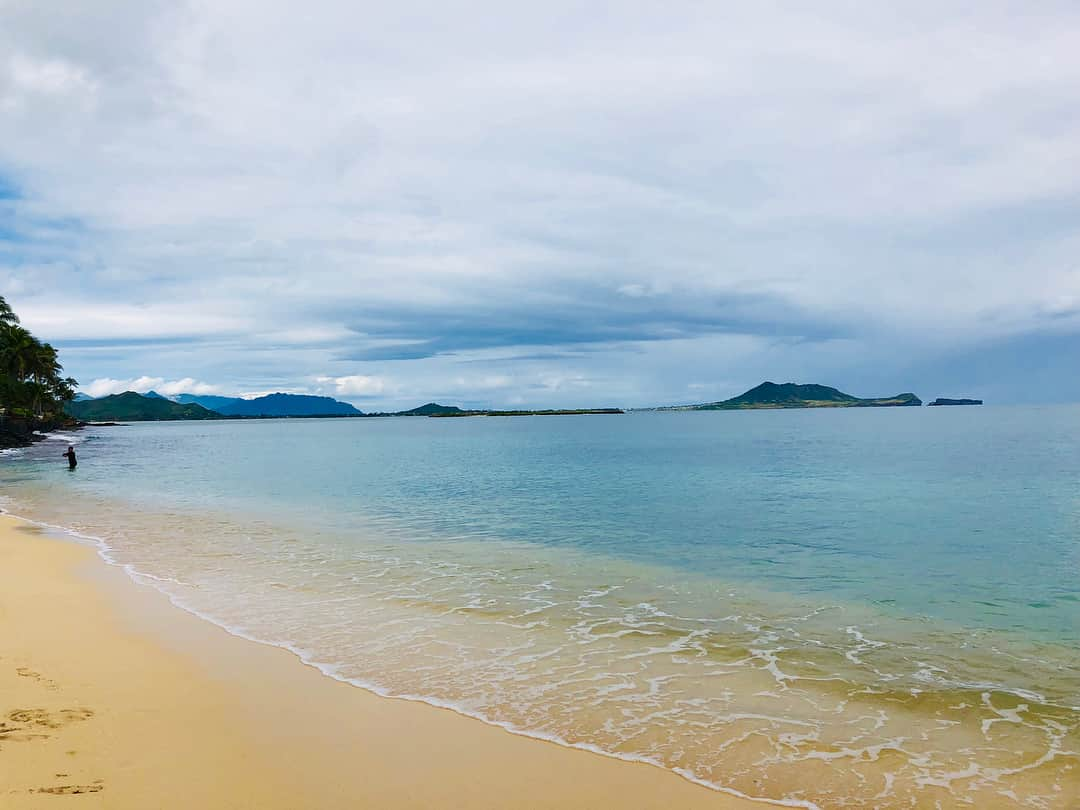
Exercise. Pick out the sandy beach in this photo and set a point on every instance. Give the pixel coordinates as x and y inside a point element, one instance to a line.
<point>110,697</point>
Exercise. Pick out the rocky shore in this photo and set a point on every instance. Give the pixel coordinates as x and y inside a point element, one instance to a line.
<point>16,431</point>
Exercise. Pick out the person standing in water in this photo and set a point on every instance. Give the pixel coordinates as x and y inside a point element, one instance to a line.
<point>70,456</point>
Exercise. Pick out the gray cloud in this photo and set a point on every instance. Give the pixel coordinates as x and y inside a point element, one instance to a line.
<point>580,317</point>
<point>452,197</point>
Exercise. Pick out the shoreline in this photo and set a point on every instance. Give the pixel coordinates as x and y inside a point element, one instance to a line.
<point>120,697</point>
<point>18,434</point>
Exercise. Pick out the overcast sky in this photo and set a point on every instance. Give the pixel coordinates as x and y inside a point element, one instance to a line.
<point>492,203</point>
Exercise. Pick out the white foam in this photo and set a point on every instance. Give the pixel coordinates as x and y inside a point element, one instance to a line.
<point>63,437</point>
<point>307,657</point>
<point>449,589</point>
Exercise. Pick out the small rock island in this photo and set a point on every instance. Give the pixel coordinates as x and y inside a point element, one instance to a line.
<point>944,401</point>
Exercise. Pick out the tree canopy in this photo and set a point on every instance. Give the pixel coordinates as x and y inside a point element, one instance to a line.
<point>31,384</point>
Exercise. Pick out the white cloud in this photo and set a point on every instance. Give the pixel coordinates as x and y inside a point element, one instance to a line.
<point>268,392</point>
<point>355,385</point>
<point>169,388</point>
<point>50,77</point>
<point>73,320</point>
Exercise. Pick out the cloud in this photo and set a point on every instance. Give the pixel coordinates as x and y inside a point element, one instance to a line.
<point>169,388</point>
<point>355,385</point>
<point>549,191</point>
<point>576,315</point>
<point>268,392</point>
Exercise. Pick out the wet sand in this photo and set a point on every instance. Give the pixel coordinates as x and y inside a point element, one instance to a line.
<point>110,697</point>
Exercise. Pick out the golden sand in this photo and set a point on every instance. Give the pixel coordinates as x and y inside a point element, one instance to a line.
<point>112,698</point>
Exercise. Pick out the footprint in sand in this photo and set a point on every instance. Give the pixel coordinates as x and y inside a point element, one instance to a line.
<point>46,719</point>
<point>48,683</point>
<point>17,734</point>
<point>69,790</point>
<point>23,725</point>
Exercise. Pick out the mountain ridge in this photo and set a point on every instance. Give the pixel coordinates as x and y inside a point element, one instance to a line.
<point>272,405</point>
<point>132,407</point>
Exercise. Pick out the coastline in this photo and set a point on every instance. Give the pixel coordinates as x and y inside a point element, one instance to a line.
<point>113,694</point>
<point>17,433</point>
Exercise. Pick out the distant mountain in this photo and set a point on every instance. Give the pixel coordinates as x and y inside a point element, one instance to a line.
<point>154,395</point>
<point>791,395</point>
<point>272,405</point>
<point>213,403</point>
<point>132,407</point>
<point>81,397</point>
<point>288,405</point>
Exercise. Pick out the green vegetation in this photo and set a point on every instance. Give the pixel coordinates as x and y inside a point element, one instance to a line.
<point>432,409</point>
<point>32,390</point>
<point>132,407</point>
<point>770,395</point>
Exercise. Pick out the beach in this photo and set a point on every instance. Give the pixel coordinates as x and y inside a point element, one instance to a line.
<point>114,698</point>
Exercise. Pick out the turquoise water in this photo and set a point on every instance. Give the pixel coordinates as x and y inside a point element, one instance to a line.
<point>822,607</point>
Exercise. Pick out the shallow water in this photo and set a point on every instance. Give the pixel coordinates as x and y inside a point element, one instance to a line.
<point>831,608</point>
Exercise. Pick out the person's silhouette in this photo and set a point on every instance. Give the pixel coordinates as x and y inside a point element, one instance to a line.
<point>70,456</point>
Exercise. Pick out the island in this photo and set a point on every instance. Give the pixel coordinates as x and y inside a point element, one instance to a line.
<point>770,395</point>
<point>944,401</point>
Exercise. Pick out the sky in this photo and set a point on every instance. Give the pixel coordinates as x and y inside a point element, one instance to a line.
<point>545,204</point>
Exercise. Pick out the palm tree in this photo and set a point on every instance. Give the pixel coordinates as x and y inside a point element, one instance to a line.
<point>45,374</point>
<point>7,315</point>
<point>46,364</point>
<point>30,370</point>
<point>64,390</point>
<point>20,352</point>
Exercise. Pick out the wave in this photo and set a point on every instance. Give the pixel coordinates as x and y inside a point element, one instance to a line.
<point>308,658</point>
<point>58,436</point>
<point>652,663</point>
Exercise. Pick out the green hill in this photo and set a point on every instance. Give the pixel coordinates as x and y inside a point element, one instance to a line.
<point>132,407</point>
<point>432,409</point>
<point>791,395</point>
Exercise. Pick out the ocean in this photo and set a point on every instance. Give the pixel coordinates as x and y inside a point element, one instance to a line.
<point>816,608</point>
